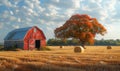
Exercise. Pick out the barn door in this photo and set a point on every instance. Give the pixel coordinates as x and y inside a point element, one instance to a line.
<point>37,44</point>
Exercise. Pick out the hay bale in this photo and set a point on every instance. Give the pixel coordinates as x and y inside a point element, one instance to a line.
<point>109,47</point>
<point>78,49</point>
<point>61,46</point>
<point>84,47</point>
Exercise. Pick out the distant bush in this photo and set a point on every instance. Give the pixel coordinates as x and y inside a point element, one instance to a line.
<point>59,42</point>
<point>1,48</point>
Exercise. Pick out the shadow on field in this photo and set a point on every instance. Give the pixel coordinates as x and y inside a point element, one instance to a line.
<point>47,67</point>
<point>62,67</point>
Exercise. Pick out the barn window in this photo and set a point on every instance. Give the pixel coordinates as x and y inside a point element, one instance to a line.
<point>35,30</point>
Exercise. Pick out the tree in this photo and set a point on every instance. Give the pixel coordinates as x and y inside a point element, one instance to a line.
<point>81,27</point>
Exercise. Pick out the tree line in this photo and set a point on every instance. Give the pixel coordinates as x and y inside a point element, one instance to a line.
<point>58,42</point>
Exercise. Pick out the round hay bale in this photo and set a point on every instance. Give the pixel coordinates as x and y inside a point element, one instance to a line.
<point>61,46</point>
<point>84,47</point>
<point>109,47</point>
<point>78,49</point>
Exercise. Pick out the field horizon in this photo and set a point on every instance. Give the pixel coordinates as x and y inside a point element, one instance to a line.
<point>94,58</point>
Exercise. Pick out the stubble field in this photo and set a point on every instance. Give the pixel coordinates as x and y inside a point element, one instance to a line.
<point>95,58</point>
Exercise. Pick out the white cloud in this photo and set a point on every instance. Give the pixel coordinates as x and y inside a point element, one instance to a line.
<point>54,13</point>
<point>1,25</point>
<point>6,2</point>
<point>112,32</point>
<point>95,1</point>
<point>5,14</point>
<point>29,3</point>
<point>56,1</point>
<point>12,18</point>
<point>15,26</point>
<point>52,10</point>
<point>110,5</point>
<point>104,15</point>
<point>69,12</point>
<point>11,12</point>
<point>86,8</point>
<point>76,3</point>
<point>19,20</point>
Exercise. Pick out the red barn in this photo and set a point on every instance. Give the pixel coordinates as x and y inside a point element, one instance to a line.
<point>25,38</point>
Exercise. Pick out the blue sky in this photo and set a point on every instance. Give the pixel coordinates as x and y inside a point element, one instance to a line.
<point>49,14</point>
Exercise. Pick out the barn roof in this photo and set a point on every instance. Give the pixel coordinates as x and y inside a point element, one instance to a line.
<point>17,34</point>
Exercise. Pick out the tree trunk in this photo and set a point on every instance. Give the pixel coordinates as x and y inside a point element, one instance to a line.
<point>83,44</point>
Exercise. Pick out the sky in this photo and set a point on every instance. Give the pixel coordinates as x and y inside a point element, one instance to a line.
<point>50,14</point>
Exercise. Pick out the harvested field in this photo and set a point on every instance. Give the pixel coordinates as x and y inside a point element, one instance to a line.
<point>94,58</point>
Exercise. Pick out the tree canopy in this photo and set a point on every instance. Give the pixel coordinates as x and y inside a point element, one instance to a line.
<point>81,27</point>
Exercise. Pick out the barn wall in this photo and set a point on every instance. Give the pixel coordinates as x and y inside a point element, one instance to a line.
<point>25,47</point>
<point>32,35</point>
<point>11,43</point>
<point>43,43</point>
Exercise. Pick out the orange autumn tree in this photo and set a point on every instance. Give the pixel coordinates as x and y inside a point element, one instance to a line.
<point>81,27</point>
